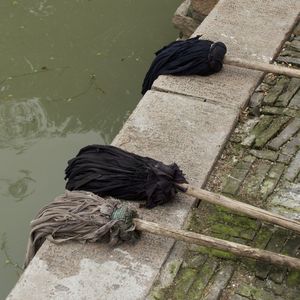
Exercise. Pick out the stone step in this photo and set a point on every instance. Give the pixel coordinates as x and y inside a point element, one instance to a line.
<point>167,127</point>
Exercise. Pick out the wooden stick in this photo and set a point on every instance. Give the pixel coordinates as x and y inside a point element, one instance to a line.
<point>207,241</point>
<point>242,207</point>
<point>259,66</point>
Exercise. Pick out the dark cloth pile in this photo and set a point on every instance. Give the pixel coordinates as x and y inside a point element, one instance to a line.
<point>188,57</point>
<point>109,171</point>
<point>81,216</point>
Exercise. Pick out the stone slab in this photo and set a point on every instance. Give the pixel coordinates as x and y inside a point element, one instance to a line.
<point>164,126</point>
<point>254,30</point>
<point>294,168</point>
<point>285,134</point>
<point>231,87</point>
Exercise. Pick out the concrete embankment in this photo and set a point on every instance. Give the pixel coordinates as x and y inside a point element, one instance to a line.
<point>183,119</point>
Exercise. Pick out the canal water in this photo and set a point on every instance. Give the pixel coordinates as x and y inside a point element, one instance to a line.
<point>70,75</point>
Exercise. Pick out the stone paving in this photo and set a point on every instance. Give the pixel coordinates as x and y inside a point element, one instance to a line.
<point>261,166</point>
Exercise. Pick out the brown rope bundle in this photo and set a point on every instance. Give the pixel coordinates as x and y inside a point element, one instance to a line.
<point>81,216</point>
<point>85,217</point>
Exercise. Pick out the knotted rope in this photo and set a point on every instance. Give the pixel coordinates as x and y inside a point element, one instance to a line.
<point>81,216</point>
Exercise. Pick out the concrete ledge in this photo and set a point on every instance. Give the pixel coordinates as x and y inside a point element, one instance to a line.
<point>97,271</point>
<point>254,30</point>
<point>231,87</point>
<point>178,128</point>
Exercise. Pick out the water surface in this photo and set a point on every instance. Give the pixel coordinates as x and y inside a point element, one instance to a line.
<point>70,74</point>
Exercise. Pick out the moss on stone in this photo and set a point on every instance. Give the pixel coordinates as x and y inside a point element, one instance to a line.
<point>225,229</point>
<point>233,219</point>
<point>293,279</point>
<point>211,252</point>
<point>271,131</point>
<point>201,281</point>
<point>174,267</point>
<point>195,261</point>
<point>182,284</point>
<point>262,238</point>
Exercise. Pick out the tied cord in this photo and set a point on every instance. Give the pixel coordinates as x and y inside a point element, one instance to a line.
<point>216,55</point>
<point>124,228</point>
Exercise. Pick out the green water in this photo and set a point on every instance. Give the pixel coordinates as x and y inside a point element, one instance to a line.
<point>70,74</point>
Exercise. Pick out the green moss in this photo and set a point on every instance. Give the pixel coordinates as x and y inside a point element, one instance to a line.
<point>183,283</point>
<point>271,131</point>
<point>157,295</point>
<point>222,254</point>
<point>293,279</point>
<point>196,261</point>
<point>229,219</point>
<point>254,293</point>
<point>174,267</point>
<point>226,230</point>
<point>215,252</point>
<point>262,238</point>
<point>245,290</point>
<point>201,281</point>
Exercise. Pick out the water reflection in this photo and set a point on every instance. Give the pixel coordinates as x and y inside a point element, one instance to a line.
<point>71,73</point>
<point>53,112</point>
<point>19,187</point>
<point>21,121</point>
<point>24,121</point>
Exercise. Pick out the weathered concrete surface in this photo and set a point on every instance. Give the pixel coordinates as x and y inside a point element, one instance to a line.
<point>168,127</point>
<point>231,87</point>
<point>251,29</point>
<point>194,140</point>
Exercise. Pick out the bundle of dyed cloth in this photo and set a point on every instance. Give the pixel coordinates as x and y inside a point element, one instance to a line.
<point>109,171</point>
<point>81,216</point>
<point>188,57</point>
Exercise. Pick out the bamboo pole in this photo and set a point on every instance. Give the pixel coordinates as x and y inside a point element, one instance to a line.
<point>242,207</point>
<point>259,66</point>
<point>207,241</point>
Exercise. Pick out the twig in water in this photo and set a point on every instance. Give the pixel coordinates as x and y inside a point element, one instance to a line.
<point>8,259</point>
<point>43,70</point>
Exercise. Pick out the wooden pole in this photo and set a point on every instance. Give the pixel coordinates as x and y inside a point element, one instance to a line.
<point>259,66</point>
<point>242,207</point>
<point>207,241</point>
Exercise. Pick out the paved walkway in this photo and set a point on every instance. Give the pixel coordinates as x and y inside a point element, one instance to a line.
<point>260,166</point>
<point>175,122</point>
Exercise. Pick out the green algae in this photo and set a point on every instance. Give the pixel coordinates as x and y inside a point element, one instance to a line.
<point>293,279</point>
<point>183,282</point>
<point>211,252</point>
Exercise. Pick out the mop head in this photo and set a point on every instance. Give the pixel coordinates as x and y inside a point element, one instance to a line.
<point>84,217</point>
<point>109,171</point>
<point>188,57</point>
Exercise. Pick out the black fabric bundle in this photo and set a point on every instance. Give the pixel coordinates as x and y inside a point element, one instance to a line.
<point>109,171</point>
<point>188,57</point>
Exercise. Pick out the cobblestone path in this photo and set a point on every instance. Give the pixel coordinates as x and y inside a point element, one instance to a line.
<point>260,165</point>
